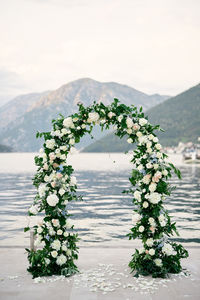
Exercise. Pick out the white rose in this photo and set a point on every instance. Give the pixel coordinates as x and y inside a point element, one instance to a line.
<point>43,156</point>
<point>155,166</point>
<point>120,118</point>
<point>56,245</point>
<point>162,220</point>
<point>47,261</point>
<point>61,260</point>
<point>149,165</point>
<point>142,122</point>
<point>159,155</point>
<point>145,204</point>
<point>61,191</point>
<point>83,126</point>
<point>50,144</point>
<point>167,249</point>
<point>69,252</point>
<point>152,187</point>
<point>136,127</point>
<point>33,210</point>
<point>141,229</point>
<point>46,178</point>
<point>165,172</point>
<point>154,198</point>
<point>52,200</point>
<point>155,139</point>
<point>73,181</point>
<point>150,137</point>
<point>66,234</point>
<point>149,242</point>
<point>64,131</point>
<point>151,251</point>
<point>51,231</point>
<point>149,144</point>
<point>139,134</point>
<point>39,229</point>
<point>137,195</point>
<point>54,253</point>
<point>158,262</point>
<point>42,190</point>
<point>63,148</point>
<point>130,141</point>
<point>59,232</point>
<point>93,117</point>
<point>68,225</point>
<point>129,122</point>
<point>149,150</point>
<point>72,141</point>
<point>64,247</point>
<point>68,122</point>
<point>111,114</point>
<point>152,221</point>
<point>136,218</point>
<point>146,179</point>
<point>142,139</point>
<point>38,242</point>
<point>141,250</point>
<point>140,167</point>
<point>158,146</point>
<point>63,156</point>
<point>55,222</point>
<point>129,131</point>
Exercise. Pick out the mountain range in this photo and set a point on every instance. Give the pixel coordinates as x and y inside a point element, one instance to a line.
<point>23,116</point>
<point>179,116</point>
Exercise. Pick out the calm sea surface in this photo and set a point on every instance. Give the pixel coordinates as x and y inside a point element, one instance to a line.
<point>104,217</point>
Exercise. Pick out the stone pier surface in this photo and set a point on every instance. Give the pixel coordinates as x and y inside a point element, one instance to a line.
<point>104,275</point>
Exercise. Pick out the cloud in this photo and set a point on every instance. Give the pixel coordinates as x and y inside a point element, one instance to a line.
<point>152,45</point>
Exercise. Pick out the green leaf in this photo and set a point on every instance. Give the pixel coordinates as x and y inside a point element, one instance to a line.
<point>26,229</point>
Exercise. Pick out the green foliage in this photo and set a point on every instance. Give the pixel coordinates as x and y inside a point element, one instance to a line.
<point>56,187</point>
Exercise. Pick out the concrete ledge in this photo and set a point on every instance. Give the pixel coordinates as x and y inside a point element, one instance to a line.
<point>16,283</point>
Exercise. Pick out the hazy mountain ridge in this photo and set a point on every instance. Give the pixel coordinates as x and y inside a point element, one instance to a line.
<point>37,113</point>
<point>179,116</point>
<point>17,107</point>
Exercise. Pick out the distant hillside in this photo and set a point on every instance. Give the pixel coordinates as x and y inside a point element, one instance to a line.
<point>179,116</point>
<point>30,116</point>
<point>17,107</point>
<point>4,148</point>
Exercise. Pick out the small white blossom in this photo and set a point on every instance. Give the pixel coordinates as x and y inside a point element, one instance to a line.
<point>52,200</point>
<point>68,122</point>
<point>54,253</point>
<point>130,140</point>
<point>154,198</point>
<point>141,229</point>
<point>142,122</point>
<point>61,260</point>
<point>50,144</point>
<point>145,204</point>
<point>158,262</point>
<point>151,251</point>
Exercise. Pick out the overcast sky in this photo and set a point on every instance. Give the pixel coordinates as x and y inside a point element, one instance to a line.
<point>151,45</point>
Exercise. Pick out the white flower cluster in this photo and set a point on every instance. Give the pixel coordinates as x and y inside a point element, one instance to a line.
<point>168,249</point>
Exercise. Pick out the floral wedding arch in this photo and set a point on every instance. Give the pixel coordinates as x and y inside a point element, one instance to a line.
<point>56,186</point>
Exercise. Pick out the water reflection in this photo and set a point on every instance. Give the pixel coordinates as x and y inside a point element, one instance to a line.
<point>105,214</point>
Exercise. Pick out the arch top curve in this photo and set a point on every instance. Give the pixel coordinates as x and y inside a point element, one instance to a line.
<point>56,186</point>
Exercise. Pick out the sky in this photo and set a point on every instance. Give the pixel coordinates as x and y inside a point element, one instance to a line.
<point>151,45</point>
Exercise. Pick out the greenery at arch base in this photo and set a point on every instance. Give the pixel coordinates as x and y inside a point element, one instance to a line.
<point>56,187</point>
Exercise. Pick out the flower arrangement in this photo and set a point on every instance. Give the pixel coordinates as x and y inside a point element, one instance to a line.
<point>56,186</point>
